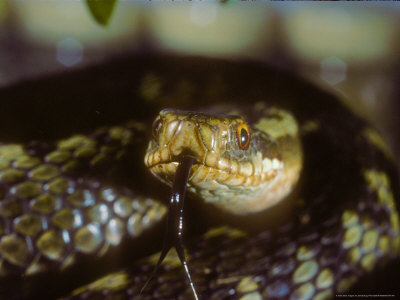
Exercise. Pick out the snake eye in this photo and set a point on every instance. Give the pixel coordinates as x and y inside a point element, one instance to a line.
<point>243,136</point>
<point>156,127</point>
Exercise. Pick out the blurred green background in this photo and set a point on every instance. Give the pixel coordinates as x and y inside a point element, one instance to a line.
<point>353,48</point>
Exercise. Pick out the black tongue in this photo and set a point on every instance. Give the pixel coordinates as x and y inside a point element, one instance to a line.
<point>174,232</point>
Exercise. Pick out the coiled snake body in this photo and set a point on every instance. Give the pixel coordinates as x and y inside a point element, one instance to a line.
<point>76,205</point>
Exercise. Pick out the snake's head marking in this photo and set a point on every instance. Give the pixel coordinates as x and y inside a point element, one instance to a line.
<point>232,162</point>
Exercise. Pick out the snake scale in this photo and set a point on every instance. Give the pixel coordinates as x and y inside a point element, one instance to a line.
<point>78,204</point>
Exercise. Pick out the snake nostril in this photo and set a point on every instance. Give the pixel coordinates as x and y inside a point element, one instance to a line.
<point>156,127</point>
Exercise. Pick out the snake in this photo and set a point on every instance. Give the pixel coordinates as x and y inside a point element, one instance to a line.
<point>290,195</point>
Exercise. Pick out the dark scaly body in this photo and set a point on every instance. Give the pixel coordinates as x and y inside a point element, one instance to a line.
<point>344,222</point>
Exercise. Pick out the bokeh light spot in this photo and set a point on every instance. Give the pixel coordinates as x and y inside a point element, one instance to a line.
<point>333,70</point>
<point>69,52</point>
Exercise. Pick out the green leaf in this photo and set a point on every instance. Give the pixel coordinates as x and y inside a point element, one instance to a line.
<point>4,6</point>
<point>101,10</point>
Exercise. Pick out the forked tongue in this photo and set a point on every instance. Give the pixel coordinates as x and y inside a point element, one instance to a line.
<point>173,235</point>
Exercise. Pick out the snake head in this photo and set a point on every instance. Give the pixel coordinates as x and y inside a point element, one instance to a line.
<point>233,163</point>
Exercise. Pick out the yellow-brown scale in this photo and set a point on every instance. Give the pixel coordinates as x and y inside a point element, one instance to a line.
<point>50,210</point>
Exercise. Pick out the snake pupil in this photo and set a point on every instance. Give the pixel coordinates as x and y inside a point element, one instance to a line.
<point>243,135</point>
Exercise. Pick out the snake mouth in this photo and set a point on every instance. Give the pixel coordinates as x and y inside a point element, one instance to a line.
<point>161,159</point>
<point>212,168</point>
<point>208,173</point>
<point>166,170</point>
